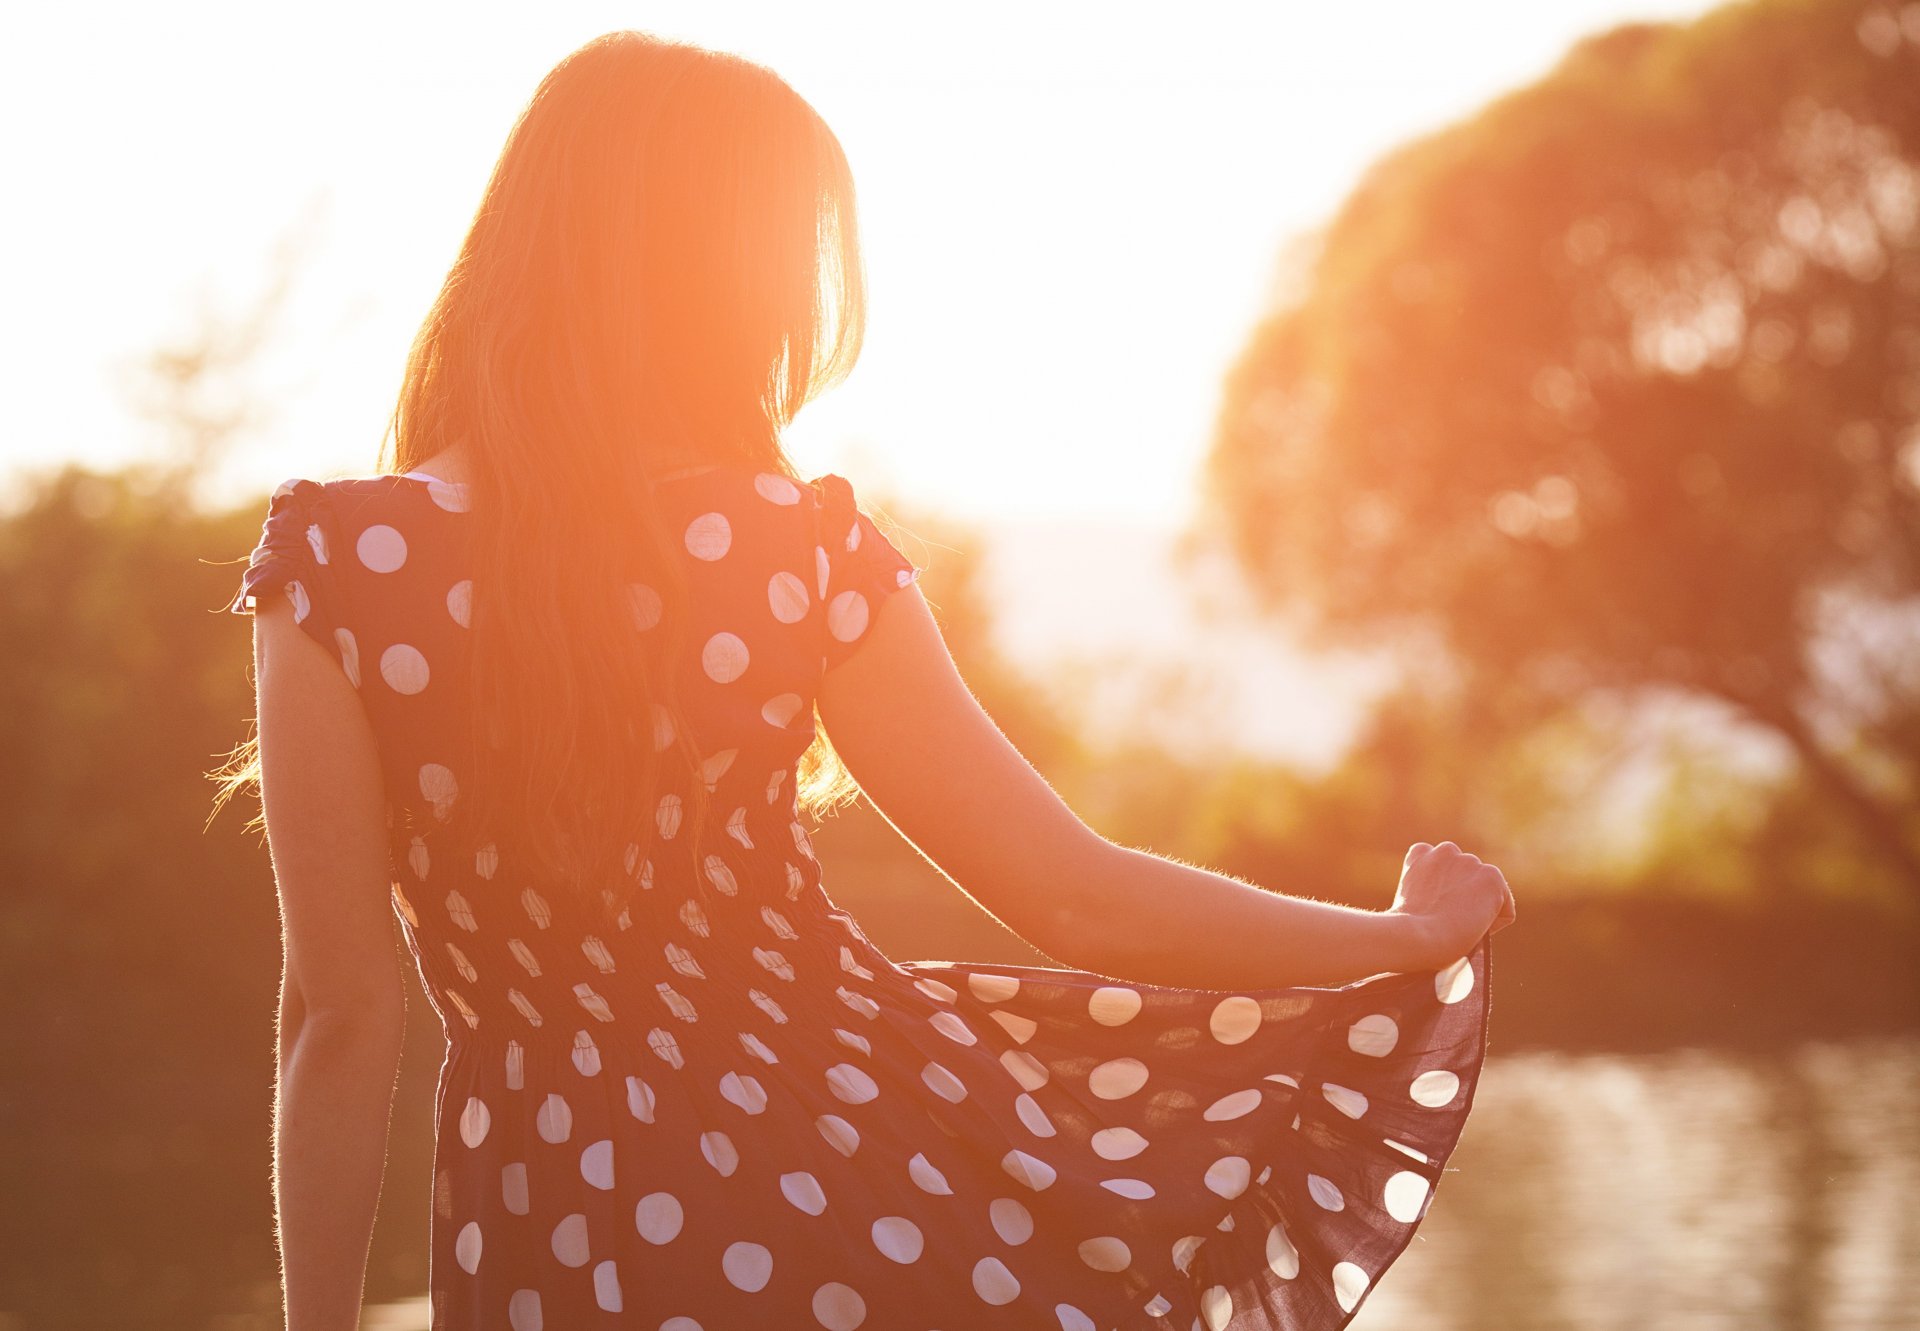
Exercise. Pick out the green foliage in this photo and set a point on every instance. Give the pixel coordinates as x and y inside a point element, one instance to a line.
<point>137,953</point>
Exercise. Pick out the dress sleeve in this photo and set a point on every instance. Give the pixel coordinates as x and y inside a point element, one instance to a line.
<point>294,558</point>
<point>857,566</point>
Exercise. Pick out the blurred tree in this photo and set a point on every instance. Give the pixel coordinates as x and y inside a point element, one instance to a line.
<point>137,954</point>
<point>1616,385</point>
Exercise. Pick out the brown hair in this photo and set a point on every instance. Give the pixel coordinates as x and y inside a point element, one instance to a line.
<point>665,264</point>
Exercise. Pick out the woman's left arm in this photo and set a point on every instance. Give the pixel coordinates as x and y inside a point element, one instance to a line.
<point>342,1002</point>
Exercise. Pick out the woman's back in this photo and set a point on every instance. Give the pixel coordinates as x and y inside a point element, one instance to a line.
<point>781,577</point>
<point>727,1107</point>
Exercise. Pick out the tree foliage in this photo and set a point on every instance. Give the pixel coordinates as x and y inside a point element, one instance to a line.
<point>1616,384</point>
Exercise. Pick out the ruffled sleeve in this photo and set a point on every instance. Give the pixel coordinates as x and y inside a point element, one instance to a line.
<point>858,566</point>
<point>294,558</point>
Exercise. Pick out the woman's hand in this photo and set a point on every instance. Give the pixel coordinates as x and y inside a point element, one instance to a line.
<point>1453,897</point>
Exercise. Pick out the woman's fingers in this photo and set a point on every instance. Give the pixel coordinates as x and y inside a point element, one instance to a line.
<point>1508,912</point>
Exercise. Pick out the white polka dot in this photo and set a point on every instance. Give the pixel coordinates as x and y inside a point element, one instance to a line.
<point>850,1084</point>
<point>1117,1078</point>
<point>1133,1189</point>
<point>993,988</point>
<point>787,597</point>
<point>821,568</point>
<point>1029,1071</point>
<point>993,1282</point>
<point>513,1188</point>
<point>1237,1105</point>
<point>1216,1306</point>
<point>1106,1253</point>
<point>640,1099</point>
<point>1348,1101</point>
<point>1283,1259</point>
<point>475,1119</point>
<point>1023,1168</point>
<point>1405,1150</point>
<point>1234,1019</point>
<point>606,1287</point>
<point>570,1240</point>
<point>596,1165</point>
<point>943,1083</point>
<point>302,603</point>
<point>1373,1035</point>
<point>466,1248</point>
<point>658,1217</point>
<point>381,548</point>
<point>724,658</point>
<point>680,1324</point>
<point>1435,1089</point>
<point>898,1239</point>
<point>803,1190</point>
<point>523,1310</point>
<point>709,536</point>
<point>450,495</point>
<point>847,615</point>
<point>1405,1193</point>
<point>1349,1283</point>
<point>1020,1028</point>
<point>1183,1250</point>
<point>1011,1221</point>
<point>950,1025</point>
<point>461,911</point>
<point>936,990</point>
<point>664,730</point>
<point>1229,1175</point>
<point>718,1149</point>
<point>744,1091</point>
<point>1324,1191</point>
<point>1072,1319</point>
<point>460,602</point>
<point>349,654</point>
<point>775,488</point>
<point>1455,982</point>
<point>1118,1143</point>
<point>839,1133</point>
<point>748,1266</point>
<point>781,709</point>
<point>927,1178</point>
<point>404,668</point>
<point>838,1307</point>
<point>1112,1005</point>
<point>317,541</point>
<point>1033,1116</point>
<point>439,787</point>
<point>554,1119</point>
<point>645,603</point>
<point>715,765</point>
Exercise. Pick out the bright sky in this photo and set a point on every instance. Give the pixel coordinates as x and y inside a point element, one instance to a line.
<point>1072,213</point>
<point>1071,210</point>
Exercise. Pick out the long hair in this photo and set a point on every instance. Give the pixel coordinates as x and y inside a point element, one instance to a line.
<point>665,264</point>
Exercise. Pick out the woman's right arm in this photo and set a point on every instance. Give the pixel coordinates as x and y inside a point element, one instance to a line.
<point>933,762</point>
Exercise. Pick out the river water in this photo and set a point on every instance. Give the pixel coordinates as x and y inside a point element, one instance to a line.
<point>1691,1190</point>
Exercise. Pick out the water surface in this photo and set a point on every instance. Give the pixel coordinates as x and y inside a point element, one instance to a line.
<point>1686,1191</point>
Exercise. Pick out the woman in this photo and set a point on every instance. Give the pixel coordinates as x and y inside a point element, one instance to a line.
<point>553,688</point>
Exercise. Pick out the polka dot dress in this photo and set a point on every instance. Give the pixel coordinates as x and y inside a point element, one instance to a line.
<point>730,1109</point>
